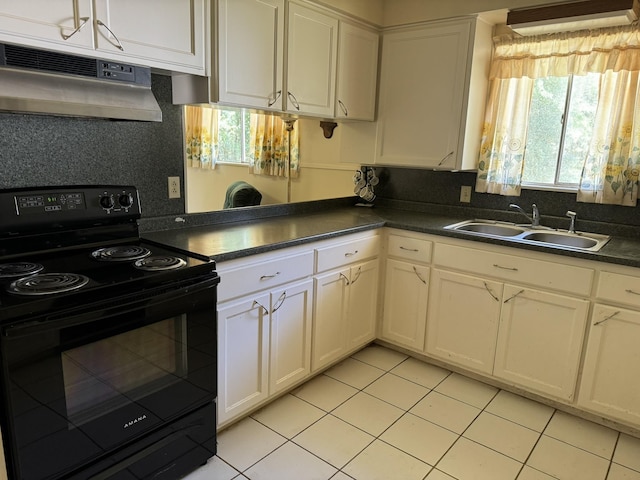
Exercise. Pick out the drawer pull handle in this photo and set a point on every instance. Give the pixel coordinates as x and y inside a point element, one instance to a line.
<point>280,301</point>
<point>267,277</point>
<point>490,292</point>
<point>512,269</point>
<point>84,22</point>
<point>357,275</point>
<point>351,254</point>
<point>607,318</point>
<point>513,296</point>
<point>418,275</point>
<point>345,278</point>
<point>409,249</point>
<point>255,302</point>
<point>631,292</point>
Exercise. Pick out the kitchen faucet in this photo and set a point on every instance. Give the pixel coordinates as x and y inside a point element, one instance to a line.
<point>534,219</point>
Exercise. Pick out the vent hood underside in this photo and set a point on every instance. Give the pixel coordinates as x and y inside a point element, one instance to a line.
<point>30,88</point>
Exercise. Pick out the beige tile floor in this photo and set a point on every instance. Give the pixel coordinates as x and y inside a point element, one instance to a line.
<point>380,415</point>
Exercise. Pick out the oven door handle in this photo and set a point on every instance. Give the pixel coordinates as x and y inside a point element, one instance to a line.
<point>105,309</point>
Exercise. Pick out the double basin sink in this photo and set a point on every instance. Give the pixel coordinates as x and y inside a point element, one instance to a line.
<point>544,236</point>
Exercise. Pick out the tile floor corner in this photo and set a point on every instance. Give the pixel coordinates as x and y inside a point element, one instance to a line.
<point>380,415</point>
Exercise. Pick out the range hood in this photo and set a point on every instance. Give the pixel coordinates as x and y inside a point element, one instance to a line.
<point>39,81</point>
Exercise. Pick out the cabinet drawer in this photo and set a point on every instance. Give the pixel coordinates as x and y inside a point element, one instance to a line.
<point>345,253</point>
<point>550,275</point>
<point>409,248</point>
<point>617,288</point>
<point>253,277</point>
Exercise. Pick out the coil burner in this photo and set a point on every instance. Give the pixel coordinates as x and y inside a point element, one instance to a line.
<point>120,253</point>
<point>158,263</point>
<point>19,269</point>
<point>47,283</point>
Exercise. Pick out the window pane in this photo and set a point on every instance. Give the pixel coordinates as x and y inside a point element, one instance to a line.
<point>545,129</point>
<point>582,111</point>
<point>230,135</point>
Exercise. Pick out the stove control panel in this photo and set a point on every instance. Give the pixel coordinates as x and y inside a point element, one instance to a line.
<point>25,207</point>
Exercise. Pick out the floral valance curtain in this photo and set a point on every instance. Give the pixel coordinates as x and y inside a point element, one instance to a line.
<point>201,136</point>
<point>613,160</point>
<point>274,146</point>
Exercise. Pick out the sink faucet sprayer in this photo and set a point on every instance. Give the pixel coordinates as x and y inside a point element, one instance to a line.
<point>535,219</point>
<point>572,225</point>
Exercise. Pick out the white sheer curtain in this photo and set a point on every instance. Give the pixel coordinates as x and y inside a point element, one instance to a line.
<point>614,140</point>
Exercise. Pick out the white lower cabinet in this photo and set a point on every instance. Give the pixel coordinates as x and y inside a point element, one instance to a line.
<point>264,346</point>
<point>345,311</point>
<point>405,303</point>
<point>540,340</point>
<point>527,337</point>
<point>610,377</point>
<point>463,319</point>
<point>406,288</point>
<point>345,297</point>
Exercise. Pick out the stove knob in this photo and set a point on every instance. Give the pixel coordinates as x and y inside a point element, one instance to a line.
<point>125,200</point>
<point>107,202</point>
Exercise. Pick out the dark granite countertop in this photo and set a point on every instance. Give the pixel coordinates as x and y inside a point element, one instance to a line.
<point>236,239</point>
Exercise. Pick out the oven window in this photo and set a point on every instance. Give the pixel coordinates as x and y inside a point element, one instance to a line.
<point>103,376</point>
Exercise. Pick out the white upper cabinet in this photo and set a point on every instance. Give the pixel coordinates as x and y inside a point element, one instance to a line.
<point>357,73</point>
<point>250,53</point>
<point>170,38</point>
<point>428,112</point>
<point>312,49</point>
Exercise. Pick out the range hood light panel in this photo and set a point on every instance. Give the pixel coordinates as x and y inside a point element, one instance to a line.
<point>573,16</point>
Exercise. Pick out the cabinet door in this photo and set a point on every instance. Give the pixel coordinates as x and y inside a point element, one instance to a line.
<point>422,90</point>
<point>611,367</point>
<point>405,304</point>
<point>250,53</point>
<point>243,361</point>
<point>47,24</point>
<point>311,61</point>
<point>362,306</point>
<point>170,35</point>
<point>462,324</point>
<point>290,335</point>
<point>357,73</point>
<point>540,340</point>
<point>329,325</point>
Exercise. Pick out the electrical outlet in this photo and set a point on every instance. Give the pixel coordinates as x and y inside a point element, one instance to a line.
<point>174,187</point>
<point>465,194</point>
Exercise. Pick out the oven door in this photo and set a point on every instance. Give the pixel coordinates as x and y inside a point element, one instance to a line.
<point>81,384</point>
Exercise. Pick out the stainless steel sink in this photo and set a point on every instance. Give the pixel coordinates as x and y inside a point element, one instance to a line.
<point>587,242</point>
<point>491,229</point>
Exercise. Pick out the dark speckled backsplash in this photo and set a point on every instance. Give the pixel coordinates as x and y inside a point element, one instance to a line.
<point>38,150</point>
<point>443,188</point>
